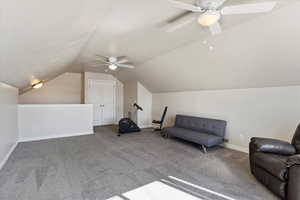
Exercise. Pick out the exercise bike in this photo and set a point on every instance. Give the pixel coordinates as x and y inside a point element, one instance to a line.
<point>127,125</point>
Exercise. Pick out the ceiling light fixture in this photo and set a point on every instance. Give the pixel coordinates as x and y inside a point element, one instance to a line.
<point>113,67</point>
<point>209,18</point>
<point>37,85</point>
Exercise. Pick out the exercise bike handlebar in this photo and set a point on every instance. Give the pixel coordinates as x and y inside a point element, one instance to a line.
<point>138,107</point>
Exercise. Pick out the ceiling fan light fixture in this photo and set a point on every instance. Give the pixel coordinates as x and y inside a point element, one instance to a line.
<point>112,67</point>
<point>112,59</point>
<point>209,18</point>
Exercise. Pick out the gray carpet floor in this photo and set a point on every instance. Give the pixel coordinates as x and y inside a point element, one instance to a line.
<point>96,167</point>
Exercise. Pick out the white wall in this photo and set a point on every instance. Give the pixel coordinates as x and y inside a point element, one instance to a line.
<point>119,90</point>
<point>9,121</point>
<point>38,122</point>
<point>130,97</point>
<point>64,89</point>
<point>144,99</point>
<point>120,100</point>
<point>264,112</point>
<point>135,92</point>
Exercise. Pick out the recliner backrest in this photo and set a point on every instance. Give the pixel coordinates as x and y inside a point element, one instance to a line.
<point>164,115</point>
<point>296,139</point>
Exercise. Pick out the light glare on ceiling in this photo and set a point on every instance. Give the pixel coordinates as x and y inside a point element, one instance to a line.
<point>37,85</point>
<point>209,18</point>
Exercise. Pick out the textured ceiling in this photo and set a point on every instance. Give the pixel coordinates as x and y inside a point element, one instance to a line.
<point>263,52</point>
<point>136,28</point>
<point>41,39</point>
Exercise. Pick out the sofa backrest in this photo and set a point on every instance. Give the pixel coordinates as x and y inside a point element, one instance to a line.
<point>204,125</point>
<point>296,140</point>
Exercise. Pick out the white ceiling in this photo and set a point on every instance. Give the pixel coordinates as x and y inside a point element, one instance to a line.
<point>263,52</point>
<point>40,39</point>
<point>136,28</point>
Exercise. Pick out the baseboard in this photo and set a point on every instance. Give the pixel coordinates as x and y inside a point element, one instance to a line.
<point>146,126</point>
<point>8,155</point>
<point>54,137</point>
<point>236,147</point>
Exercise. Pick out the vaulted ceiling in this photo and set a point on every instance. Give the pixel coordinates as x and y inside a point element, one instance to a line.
<point>41,39</point>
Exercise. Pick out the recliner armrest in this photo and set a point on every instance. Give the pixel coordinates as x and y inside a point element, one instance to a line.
<point>293,160</point>
<point>269,145</point>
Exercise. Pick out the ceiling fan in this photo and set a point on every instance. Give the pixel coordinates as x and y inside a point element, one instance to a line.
<point>114,63</point>
<point>211,12</point>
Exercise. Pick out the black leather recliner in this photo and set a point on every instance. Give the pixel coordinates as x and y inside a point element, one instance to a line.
<point>276,164</point>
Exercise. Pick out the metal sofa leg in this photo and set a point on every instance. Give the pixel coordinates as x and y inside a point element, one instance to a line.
<point>204,148</point>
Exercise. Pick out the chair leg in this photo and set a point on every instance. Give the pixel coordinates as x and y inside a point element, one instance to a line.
<point>158,129</point>
<point>204,148</point>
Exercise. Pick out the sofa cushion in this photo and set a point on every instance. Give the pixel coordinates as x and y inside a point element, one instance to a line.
<point>272,163</point>
<point>203,125</point>
<point>200,138</point>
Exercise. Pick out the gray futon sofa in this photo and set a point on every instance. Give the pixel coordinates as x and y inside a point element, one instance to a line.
<point>203,131</point>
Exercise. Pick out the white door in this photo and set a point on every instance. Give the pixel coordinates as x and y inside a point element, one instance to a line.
<point>108,104</point>
<point>102,95</point>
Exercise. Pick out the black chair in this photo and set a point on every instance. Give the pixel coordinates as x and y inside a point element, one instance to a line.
<point>276,164</point>
<point>161,122</point>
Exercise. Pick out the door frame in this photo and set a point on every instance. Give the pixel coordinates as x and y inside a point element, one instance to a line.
<point>107,82</point>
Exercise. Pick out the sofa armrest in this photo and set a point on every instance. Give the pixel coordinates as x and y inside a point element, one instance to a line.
<point>293,160</point>
<point>293,191</point>
<point>268,145</point>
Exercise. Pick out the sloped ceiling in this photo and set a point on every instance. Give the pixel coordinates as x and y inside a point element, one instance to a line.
<point>41,39</point>
<point>263,52</point>
<point>135,28</point>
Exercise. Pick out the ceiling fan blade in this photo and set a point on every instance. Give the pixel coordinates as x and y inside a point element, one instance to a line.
<point>217,4</point>
<point>248,8</point>
<point>186,6</point>
<point>102,65</point>
<point>106,62</point>
<point>215,28</point>
<point>122,59</point>
<point>125,65</point>
<point>181,24</point>
<point>94,62</point>
<point>102,57</point>
<point>179,16</point>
